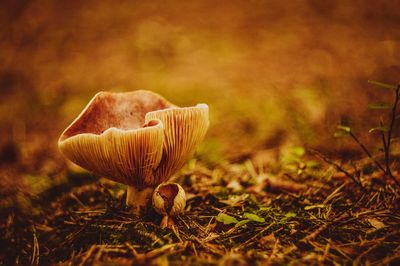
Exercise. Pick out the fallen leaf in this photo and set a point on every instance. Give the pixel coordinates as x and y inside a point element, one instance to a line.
<point>242,222</point>
<point>253,217</point>
<point>376,223</point>
<point>290,214</point>
<point>226,219</point>
<point>268,240</point>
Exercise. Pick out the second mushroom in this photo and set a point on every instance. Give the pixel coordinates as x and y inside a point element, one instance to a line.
<point>136,138</point>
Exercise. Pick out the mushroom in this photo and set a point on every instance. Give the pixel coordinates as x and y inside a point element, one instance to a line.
<point>135,138</point>
<point>169,200</point>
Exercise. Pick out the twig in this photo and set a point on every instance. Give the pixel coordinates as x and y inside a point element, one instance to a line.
<point>35,252</point>
<point>383,140</point>
<point>378,164</point>
<point>389,136</point>
<point>169,248</point>
<point>132,249</point>
<point>88,254</point>
<point>378,242</point>
<point>323,227</point>
<point>212,248</point>
<point>391,259</point>
<point>273,252</point>
<point>99,254</point>
<point>316,232</point>
<point>256,235</point>
<point>338,167</point>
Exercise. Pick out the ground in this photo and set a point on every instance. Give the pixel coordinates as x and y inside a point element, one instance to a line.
<point>294,210</point>
<point>270,184</point>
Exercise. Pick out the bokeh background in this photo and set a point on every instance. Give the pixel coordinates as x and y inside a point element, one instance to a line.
<point>274,73</point>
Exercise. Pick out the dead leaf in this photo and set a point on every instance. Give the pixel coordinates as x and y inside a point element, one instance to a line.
<point>268,240</point>
<point>376,223</point>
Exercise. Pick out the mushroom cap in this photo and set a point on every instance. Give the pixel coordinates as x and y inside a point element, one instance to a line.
<point>136,138</point>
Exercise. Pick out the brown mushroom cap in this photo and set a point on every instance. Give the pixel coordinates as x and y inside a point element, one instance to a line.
<point>107,110</point>
<point>135,138</point>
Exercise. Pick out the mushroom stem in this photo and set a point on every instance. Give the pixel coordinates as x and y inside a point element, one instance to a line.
<point>167,222</point>
<point>138,199</point>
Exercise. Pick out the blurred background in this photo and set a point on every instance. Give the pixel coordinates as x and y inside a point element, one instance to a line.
<point>274,74</point>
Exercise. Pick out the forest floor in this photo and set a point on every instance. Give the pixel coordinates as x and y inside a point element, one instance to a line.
<point>298,209</point>
<point>278,80</point>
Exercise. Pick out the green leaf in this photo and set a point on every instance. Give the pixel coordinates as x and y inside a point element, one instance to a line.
<point>312,164</point>
<point>253,217</point>
<point>382,85</point>
<point>226,219</point>
<point>340,134</point>
<point>344,128</point>
<point>381,129</point>
<point>242,222</point>
<point>379,106</point>
<point>290,158</point>
<point>290,214</point>
<point>293,155</point>
<point>298,151</point>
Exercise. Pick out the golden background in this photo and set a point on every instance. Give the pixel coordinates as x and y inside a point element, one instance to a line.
<point>274,73</point>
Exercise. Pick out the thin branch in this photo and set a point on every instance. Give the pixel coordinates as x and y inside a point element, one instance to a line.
<point>324,226</point>
<point>383,139</point>
<point>389,136</point>
<point>338,167</point>
<point>35,252</point>
<point>378,164</point>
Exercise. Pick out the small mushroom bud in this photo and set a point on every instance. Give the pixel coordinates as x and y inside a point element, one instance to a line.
<point>169,200</point>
